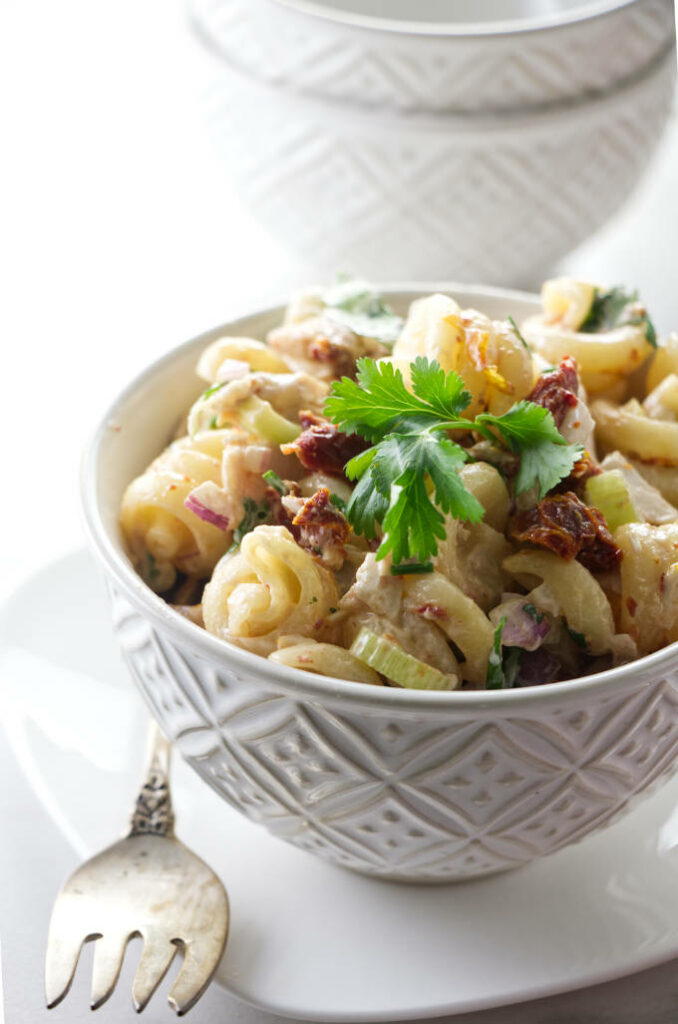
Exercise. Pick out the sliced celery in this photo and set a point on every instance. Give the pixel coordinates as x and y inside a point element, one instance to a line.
<point>609,492</point>
<point>260,418</point>
<point>397,665</point>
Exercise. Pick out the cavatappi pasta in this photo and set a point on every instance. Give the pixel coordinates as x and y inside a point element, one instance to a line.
<point>252,526</point>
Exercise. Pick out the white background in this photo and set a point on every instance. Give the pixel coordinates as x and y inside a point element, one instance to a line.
<point>119,239</point>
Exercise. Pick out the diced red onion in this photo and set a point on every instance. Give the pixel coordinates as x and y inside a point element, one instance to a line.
<point>208,515</point>
<point>520,628</point>
<point>538,667</point>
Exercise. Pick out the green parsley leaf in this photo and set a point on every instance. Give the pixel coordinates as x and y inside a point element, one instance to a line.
<point>545,457</point>
<point>504,663</point>
<point>495,676</point>
<point>650,332</point>
<point>367,506</point>
<point>444,393</point>
<point>412,522</point>
<point>409,479</point>
<point>356,305</point>
<point>615,308</point>
<point>212,390</point>
<point>379,401</point>
<point>403,456</point>
<point>272,478</point>
<point>255,515</point>
<point>337,501</point>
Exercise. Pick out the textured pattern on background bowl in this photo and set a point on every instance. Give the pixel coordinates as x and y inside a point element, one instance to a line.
<point>401,784</point>
<point>499,199</point>
<point>369,66</point>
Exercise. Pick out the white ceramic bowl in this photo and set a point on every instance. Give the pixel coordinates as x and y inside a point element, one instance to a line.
<point>498,199</point>
<point>407,62</point>
<point>398,783</point>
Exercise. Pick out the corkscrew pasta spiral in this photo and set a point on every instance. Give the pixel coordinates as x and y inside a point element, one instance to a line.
<point>162,534</point>
<point>270,587</point>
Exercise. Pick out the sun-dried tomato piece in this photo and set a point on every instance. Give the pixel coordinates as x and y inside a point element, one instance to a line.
<point>321,446</point>
<point>557,390</point>
<point>316,525</point>
<point>279,514</point>
<point>565,525</point>
<point>339,357</point>
<point>323,529</point>
<point>584,467</point>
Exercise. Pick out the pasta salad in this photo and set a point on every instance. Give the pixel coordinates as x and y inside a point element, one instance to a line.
<point>439,501</point>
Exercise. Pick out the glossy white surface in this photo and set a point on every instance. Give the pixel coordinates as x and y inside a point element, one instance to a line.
<point>308,939</point>
<point>459,15</point>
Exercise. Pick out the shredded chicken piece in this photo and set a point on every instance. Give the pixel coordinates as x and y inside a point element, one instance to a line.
<point>321,346</point>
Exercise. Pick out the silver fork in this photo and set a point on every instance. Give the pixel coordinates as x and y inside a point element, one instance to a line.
<point>149,885</point>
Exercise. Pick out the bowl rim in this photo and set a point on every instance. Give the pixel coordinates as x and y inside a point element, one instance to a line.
<point>585,11</point>
<point>531,120</point>
<point>295,681</point>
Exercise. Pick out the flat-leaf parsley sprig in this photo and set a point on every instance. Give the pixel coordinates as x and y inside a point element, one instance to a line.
<point>409,478</point>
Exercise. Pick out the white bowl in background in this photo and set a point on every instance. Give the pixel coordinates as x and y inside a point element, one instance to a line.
<point>404,62</point>
<point>402,784</point>
<point>498,198</point>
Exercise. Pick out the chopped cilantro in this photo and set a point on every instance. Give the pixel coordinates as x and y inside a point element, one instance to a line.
<point>615,308</point>
<point>332,611</point>
<point>578,638</point>
<point>355,304</point>
<point>504,663</point>
<point>213,423</point>
<point>533,612</point>
<point>272,478</point>
<point>255,515</point>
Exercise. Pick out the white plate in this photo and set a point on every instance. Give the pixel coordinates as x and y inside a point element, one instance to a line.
<point>309,940</point>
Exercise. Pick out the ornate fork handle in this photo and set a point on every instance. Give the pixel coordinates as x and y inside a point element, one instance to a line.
<point>153,809</point>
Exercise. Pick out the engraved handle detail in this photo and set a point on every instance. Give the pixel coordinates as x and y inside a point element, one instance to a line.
<point>153,809</point>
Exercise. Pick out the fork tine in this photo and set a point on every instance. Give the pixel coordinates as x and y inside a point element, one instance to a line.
<point>109,951</point>
<point>61,960</point>
<point>155,960</point>
<point>201,958</point>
